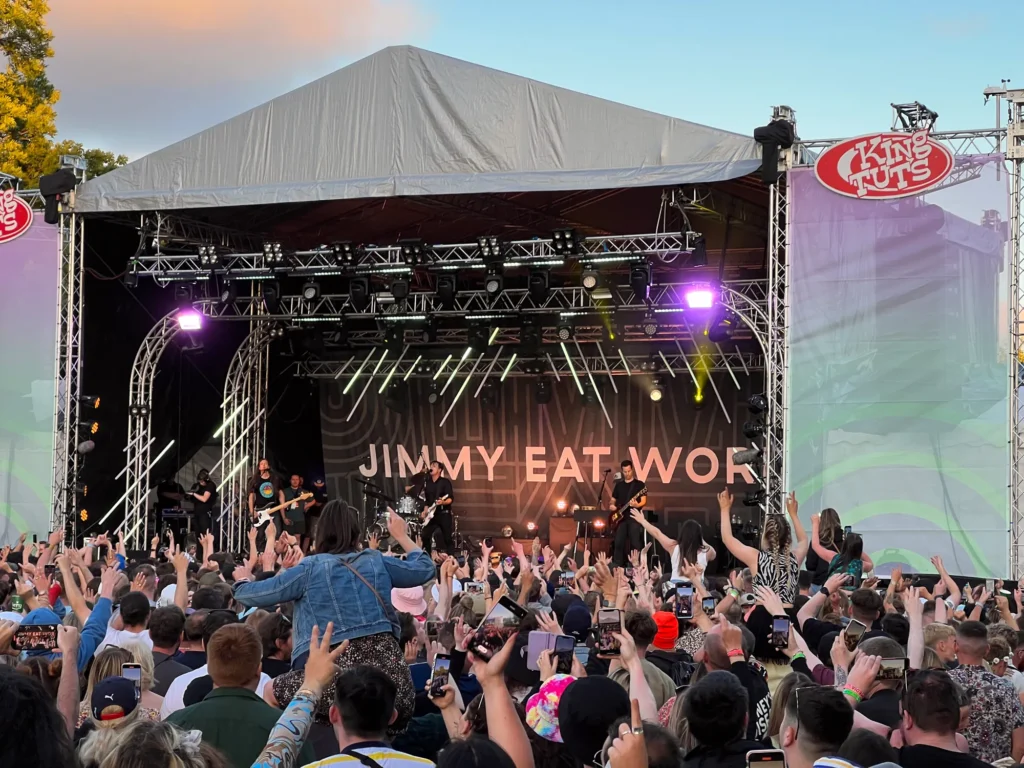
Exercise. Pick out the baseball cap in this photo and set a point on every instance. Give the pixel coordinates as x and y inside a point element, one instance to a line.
<point>113,698</point>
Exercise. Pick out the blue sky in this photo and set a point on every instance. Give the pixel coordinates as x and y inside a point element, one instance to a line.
<point>839,64</point>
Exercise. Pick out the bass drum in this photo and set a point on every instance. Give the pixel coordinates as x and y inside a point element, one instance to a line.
<point>409,507</point>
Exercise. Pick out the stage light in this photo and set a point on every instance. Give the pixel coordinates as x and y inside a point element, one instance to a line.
<point>311,290</point>
<point>273,255</point>
<point>86,446</point>
<point>650,326</point>
<point>82,489</point>
<point>746,456</point>
<point>757,404</point>
<point>506,531</point>
<point>228,293</point>
<point>84,515</point>
<point>359,293</point>
<point>700,253</point>
<point>721,327</point>
<point>446,289</point>
<point>542,391</point>
<point>92,427</point>
<point>89,401</point>
<point>414,252</point>
<point>432,393</point>
<point>590,279</point>
<point>531,526</point>
<point>538,286</point>
<point>208,256</point>
<point>490,248</point>
<point>561,505</point>
<point>400,288</point>
<point>699,297</point>
<point>753,429</point>
<point>494,282</point>
<point>131,275</point>
<point>565,331</point>
<point>183,294</point>
<point>698,401</point>
<point>189,321</point>
<point>565,242</point>
<point>271,292</point>
<point>345,253</point>
<point>428,334</point>
<point>599,524</point>
<point>640,280</point>
<point>657,392</point>
<point>754,499</point>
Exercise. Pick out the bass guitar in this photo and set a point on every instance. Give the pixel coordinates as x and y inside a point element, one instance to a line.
<point>620,514</point>
<point>266,515</point>
<point>429,514</point>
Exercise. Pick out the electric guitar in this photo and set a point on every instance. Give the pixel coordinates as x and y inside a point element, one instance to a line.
<point>620,514</point>
<point>265,515</point>
<point>429,514</point>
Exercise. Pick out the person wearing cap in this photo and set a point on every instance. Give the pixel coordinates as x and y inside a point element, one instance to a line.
<point>409,600</point>
<point>662,652</point>
<point>114,705</point>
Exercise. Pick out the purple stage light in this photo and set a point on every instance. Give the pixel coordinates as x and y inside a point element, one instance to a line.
<point>699,298</point>
<point>190,321</point>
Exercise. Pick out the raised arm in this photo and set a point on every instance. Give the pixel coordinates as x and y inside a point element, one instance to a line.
<point>800,550</point>
<point>504,727</point>
<point>742,552</point>
<point>72,592</point>
<point>665,541</point>
<point>823,552</point>
<point>954,590</point>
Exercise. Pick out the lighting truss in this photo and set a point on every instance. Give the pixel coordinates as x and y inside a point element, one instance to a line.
<point>328,369</point>
<point>384,259</point>
<point>1015,157</point>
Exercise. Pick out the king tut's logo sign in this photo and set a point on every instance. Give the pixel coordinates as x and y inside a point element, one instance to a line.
<point>15,216</point>
<point>883,166</point>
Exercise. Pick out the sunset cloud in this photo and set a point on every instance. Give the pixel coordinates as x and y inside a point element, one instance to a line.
<point>147,72</point>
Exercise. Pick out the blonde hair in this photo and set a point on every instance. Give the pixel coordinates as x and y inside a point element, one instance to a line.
<point>106,663</point>
<point>143,656</point>
<point>935,633</point>
<point>930,660</point>
<point>779,699</point>
<point>829,527</point>
<point>153,744</point>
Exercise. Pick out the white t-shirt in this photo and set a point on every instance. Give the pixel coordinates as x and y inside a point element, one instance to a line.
<point>1018,682</point>
<point>702,562</point>
<point>174,699</point>
<point>118,637</point>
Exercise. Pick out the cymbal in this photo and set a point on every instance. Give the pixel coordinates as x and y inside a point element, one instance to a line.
<point>417,478</point>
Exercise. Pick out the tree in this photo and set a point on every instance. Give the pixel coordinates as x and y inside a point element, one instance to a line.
<point>27,100</point>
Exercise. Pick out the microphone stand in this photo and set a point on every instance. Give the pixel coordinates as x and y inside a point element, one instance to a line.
<point>586,530</point>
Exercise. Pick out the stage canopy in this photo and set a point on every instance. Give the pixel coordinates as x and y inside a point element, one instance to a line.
<point>408,122</point>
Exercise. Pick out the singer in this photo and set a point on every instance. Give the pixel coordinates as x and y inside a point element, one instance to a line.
<point>626,494</point>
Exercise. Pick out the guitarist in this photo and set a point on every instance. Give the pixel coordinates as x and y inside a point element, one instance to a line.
<point>629,535</point>
<point>294,515</point>
<point>264,492</point>
<point>435,487</point>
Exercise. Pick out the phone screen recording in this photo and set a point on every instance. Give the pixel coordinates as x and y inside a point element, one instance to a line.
<point>439,676</point>
<point>609,620</point>
<point>564,649</point>
<point>684,601</point>
<point>854,630</point>
<point>892,669</point>
<point>708,604</point>
<point>497,627</point>
<point>35,637</point>
<point>766,758</point>
<point>780,631</point>
<point>133,672</point>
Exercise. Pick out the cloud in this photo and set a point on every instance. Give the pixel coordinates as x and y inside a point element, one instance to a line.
<point>124,64</point>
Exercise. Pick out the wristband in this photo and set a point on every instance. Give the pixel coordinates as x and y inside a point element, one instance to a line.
<point>797,655</point>
<point>735,652</point>
<point>734,593</point>
<point>949,603</point>
<point>308,693</point>
<point>854,693</point>
<point>824,591</point>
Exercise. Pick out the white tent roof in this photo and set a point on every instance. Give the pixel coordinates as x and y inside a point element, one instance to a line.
<point>407,122</point>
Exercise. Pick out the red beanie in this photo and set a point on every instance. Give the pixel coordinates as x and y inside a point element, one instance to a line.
<point>668,631</point>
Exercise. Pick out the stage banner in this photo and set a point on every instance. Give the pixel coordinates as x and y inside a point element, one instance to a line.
<point>28,301</point>
<point>511,464</point>
<point>899,366</point>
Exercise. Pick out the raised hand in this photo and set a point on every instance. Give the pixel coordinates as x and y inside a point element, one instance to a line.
<point>373,541</point>
<point>548,623</point>
<point>548,663</point>
<point>154,543</point>
<point>629,750</point>
<point>292,558</point>
<point>791,505</point>
<point>321,666</point>
<point>725,500</point>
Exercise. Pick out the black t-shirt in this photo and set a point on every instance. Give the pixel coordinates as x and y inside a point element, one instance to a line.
<point>623,491</point>
<point>883,707</point>
<point>923,756</point>
<point>204,506</point>
<point>264,491</point>
<point>435,489</point>
<point>760,623</point>
<point>276,667</point>
<point>169,487</point>
<point>818,567</point>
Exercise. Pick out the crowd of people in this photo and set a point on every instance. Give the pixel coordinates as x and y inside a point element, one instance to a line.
<point>184,656</point>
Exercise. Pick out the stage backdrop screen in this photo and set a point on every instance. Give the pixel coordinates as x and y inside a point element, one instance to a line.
<point>510,465</point>
<point>28,301</point>
<point>899,371</point>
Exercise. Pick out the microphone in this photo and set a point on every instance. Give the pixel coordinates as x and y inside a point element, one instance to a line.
<point>607,471</point>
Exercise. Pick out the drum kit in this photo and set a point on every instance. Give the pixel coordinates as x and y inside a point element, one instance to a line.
<point>407,506</point>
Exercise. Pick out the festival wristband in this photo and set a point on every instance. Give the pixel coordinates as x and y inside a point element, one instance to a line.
<point>854,693</point>
<point>797,655</point>
<point>735,652</point>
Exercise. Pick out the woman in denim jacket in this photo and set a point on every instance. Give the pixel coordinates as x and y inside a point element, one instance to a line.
<point>350,586</point>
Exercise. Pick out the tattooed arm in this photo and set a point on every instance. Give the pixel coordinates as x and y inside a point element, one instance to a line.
<point>288,736</point>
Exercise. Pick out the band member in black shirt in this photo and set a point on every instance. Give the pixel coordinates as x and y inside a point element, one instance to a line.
<point>438,489</point>
<point>265,491</point>
<point>203,495</point>
<point>630,534</point>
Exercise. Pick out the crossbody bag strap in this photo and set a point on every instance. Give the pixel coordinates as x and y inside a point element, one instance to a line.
<point>369,762</point>
<point>389,610</point>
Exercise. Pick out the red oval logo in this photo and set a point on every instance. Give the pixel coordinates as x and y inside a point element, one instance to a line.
<point>884,165</point>
<point>15,216</point>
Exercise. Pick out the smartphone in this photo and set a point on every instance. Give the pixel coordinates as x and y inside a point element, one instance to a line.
<point>35,538</point>
<point>780,631</point>
<point>854,631</point>
<point>49,570</point>
<point>990,586</point>
<point>474,587</point>
<point>629,573</point>
<point>433,627</point>
<point>766,758</point>
<point>569,580</point>
<point>582,654</point>
<point>537,643</point>
<point>133,672</point>
<point>564,649</point>
<point>847,530</point>
<point>509,562</point>
<point>708,604</point>
<point>893,669</point>
<point>498,626</point>
<point>439,675</point>
<point>684,601</point>
<point>35,637</point>
<point>609,620</point>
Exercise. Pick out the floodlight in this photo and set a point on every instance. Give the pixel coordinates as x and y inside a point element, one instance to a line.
<point>657,392</point>
<point>494,282</point>
<point>311,290</point>
<point>565,242</point>
<point>650,326</point>
<point>699,297</point>
<point>590,279</point>
<point>565,331</point>
<point>189,321</point>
